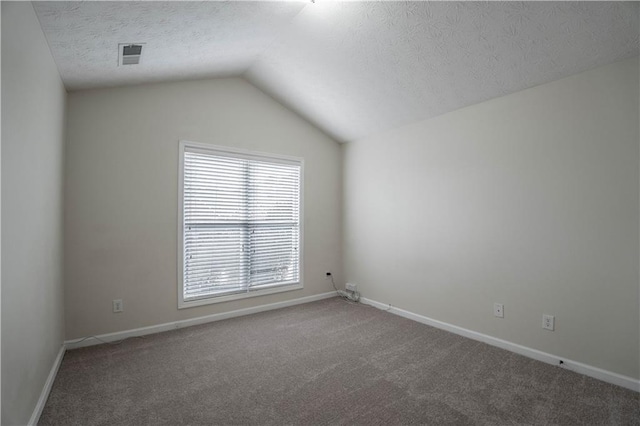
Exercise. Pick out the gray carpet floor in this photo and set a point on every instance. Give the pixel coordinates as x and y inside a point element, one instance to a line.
<point>327,362</point>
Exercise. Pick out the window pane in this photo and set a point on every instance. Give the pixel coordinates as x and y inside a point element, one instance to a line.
<point>274,254</point>
<point>214,189</point>
<point>213,260</point>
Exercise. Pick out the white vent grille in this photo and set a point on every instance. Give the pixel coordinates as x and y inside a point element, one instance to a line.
<point>130,53</point>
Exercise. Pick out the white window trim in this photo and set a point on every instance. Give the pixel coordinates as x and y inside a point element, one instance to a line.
<point>209,148</point>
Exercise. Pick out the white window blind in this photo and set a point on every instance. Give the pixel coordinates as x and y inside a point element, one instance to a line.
<point>241,223</point>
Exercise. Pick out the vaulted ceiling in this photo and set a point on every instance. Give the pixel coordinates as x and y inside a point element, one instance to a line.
<point>351,68</point>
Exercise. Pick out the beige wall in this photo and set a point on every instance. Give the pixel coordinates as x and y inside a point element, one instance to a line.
<point>33,118</point>
<point>531,200</point>
<point>122,194</point>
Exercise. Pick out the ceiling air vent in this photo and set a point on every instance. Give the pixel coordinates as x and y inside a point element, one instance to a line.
<point>129,53</point>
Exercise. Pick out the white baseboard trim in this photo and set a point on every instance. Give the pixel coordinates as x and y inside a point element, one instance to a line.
<point>120,335</point>
<point>578,367</point>
<point>35,417</point>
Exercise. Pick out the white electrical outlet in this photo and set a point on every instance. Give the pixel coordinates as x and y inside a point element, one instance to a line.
<point>352,287</point>
<point>118,306</point>
<point>548,322</point>
<point>498,310</point>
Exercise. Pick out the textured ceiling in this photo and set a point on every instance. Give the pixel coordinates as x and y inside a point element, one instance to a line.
<point>184,40</point>
<point>351,68</point>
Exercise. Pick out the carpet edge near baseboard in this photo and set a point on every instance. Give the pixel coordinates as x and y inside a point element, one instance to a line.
<point>46,389</point>
<point>575,366</point>
<point>159,328</point>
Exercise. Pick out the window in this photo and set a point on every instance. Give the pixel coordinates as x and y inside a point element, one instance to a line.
<point>239,224</point>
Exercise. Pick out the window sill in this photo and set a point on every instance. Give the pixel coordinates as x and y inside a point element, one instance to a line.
<point>220,299</point>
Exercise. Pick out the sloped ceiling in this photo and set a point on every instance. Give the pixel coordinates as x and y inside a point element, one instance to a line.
<point>351,68</point>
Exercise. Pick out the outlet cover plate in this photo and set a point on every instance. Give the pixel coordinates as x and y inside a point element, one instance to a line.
<point>548,322</point>
<point>498,310</point>
<point>118,305</point>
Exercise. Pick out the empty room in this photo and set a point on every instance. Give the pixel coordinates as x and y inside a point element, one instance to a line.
<point>320,212</point>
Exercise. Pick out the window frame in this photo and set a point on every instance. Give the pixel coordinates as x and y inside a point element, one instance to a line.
<point>238,153</point>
